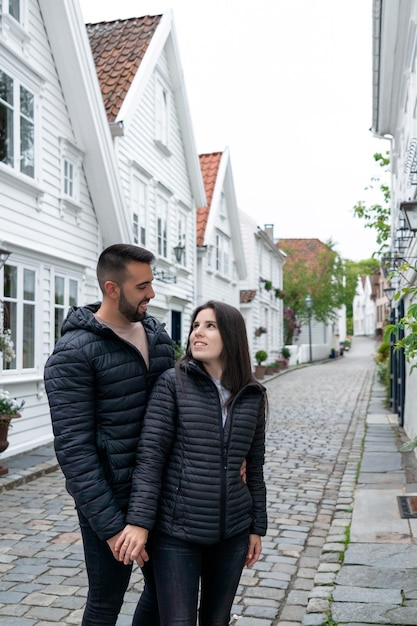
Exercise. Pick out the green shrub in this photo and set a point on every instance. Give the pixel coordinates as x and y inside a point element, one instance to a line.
<point>382,354</point>
<point>261,356</point>
<point>286,352</point>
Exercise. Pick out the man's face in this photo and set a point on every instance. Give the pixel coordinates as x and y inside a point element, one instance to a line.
<point>136,291</point>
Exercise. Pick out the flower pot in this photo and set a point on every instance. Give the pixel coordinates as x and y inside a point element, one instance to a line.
<point>4,443</point>
<point>260,371</point>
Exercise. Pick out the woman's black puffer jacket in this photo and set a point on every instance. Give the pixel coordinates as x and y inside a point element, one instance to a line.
<point>98,386</point>
<point>187,480</point>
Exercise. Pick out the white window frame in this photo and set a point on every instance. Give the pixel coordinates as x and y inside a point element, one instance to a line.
<point>162,116</point>
<point>18,330</point>
<point>182,229</point>
<point>68,299</point>
<point>15,31</point>
<point>17,118</point>
<point>162,215</point>
<point>222,254</point>
<point>73,156</point>
<point>140,208</point>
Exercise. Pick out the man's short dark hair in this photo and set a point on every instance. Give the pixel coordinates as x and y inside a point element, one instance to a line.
<point>112,261</point>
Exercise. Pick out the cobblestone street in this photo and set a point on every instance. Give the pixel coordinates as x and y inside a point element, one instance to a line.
<point>313,447</point>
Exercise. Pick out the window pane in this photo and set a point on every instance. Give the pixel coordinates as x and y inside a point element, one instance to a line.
<point>29,285</point>
<point>6,119</point>
<point>27,154</point>
<point>28,355</point>
<point>10,281</point>
<point>59,290</point>
<point>59,318</point>
<point>6,88</point>
<point>9,318</point>
<point>26,103</point>
<point>14,9</point>
<point>73,292</point>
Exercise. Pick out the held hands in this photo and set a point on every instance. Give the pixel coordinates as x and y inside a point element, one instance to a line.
<point>129,545</point>
<point>254,550</point>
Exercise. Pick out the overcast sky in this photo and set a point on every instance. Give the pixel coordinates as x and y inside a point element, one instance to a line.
<point>287,86</point>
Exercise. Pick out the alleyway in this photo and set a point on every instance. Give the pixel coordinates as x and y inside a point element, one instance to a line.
<point>314,414</point>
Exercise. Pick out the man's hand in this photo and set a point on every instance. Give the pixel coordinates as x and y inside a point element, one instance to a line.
<point>254,550</point>
<point>243,471</point>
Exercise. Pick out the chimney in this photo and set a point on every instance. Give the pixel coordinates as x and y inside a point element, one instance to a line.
<point>269,229</point>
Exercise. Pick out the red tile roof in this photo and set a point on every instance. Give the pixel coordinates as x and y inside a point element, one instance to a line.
<point>307,249</point>
<point>118,49</point>
<point>209,164</point>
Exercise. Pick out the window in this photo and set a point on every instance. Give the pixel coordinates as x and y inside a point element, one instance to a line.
<point>161,226</point>
<point>14,9</point>
<point>71,164</point>
<point>222,254</point>
<point>17,125</point>
<point>19,303</point>
<point>162,108</point>
<point>68,178</point>
<point>65,295</point>
<point>139,207</point>
<point>181,236</point>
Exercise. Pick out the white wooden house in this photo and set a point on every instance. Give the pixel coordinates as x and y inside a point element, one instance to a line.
<point>260,301</point>
<point>220,257</point>
<point>60,200</point>
<point>364,309</point>
<point>394,85</point>
<point>144,94</point>
<point>80,171</point>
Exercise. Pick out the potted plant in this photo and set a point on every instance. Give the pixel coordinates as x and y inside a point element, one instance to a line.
<point>9,409</point>
<point>260,357</point>
<point>261,330</point>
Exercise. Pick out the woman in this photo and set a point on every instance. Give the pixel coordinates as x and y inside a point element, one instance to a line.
<point>204,419</point>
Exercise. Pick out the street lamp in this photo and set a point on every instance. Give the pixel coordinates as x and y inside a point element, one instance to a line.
<point>309,305</point>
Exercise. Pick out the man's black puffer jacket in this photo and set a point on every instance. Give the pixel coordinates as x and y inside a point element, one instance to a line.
<point>98,386</point>
<point>201,497</point>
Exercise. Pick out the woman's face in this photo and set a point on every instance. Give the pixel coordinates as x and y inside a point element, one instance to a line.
<point>206,342</point>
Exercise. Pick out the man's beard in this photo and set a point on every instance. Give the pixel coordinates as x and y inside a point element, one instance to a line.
<point>128,311</point>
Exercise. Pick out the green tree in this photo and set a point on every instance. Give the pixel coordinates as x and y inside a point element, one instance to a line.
<point>378,215</point>
<point>321,277</point>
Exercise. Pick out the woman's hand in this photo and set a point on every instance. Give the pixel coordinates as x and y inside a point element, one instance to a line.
<point>254,550</point>
<point>130,545</point>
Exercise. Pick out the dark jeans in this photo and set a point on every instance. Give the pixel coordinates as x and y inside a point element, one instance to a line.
<point>108,580</point>
<point>179,566</point>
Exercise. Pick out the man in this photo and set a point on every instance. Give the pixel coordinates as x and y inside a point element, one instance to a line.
<point>98,379</point>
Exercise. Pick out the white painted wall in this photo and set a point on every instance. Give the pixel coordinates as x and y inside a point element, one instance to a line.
<point>43,233</point>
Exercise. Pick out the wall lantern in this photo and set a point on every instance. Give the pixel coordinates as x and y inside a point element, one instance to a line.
<point>389,292</point>
<point>409,210</point>
<point>4,255</point>
<point>179,251</point>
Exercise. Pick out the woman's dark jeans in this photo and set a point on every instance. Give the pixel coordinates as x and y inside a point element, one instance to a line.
<point>108,580</point>
<point>179,566</point>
